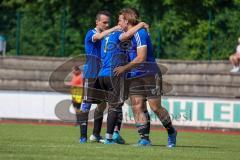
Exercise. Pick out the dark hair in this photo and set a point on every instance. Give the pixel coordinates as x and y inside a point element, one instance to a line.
<point>103,12</point>
<point>76,68</point>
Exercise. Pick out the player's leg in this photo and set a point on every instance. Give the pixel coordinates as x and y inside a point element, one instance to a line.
<point>112,85</point>
<point>122,94</point>
<point>93,94</point>
<point>153,92</point>
<point>83,118</point>
<point>119,122</point>
<point>165,118</point>
<point>141,116</point>
<point>98,119</point>
<point>145,111</point>
<point>111,122</point>
<point>116,135</point>
<point>141,119</point>
<point>85,108</point>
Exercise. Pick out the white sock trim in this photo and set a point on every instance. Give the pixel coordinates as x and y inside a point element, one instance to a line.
<point>108,136</point>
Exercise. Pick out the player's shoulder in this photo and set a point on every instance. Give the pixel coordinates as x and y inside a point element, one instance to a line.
<point>117,33</point>
<point>91,31</point>
<point>142,31</point>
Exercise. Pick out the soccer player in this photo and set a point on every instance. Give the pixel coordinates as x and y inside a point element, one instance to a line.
<point>90,72</point>
<point>145,79</point>
<point>113,54</point>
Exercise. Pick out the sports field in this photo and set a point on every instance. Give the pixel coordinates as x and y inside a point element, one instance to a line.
<point>30,142</point>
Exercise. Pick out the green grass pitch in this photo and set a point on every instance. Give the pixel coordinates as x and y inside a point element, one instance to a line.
<point>41,142</point>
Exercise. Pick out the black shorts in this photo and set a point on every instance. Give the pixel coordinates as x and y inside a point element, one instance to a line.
<point>91,92</point>
<point>147,86</point>
<point>114,88</point>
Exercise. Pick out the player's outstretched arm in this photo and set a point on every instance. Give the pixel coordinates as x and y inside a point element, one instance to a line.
<point>127,35</point>
<point>99,36</point>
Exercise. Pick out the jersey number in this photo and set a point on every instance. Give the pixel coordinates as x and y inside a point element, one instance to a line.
<point>106,45</point>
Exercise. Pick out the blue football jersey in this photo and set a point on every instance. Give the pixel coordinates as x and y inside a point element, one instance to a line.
<point>142,39</point>
<point>92,50</point>
<point>113,54</point>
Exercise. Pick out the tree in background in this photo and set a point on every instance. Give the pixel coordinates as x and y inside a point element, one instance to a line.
<point>179,28</point>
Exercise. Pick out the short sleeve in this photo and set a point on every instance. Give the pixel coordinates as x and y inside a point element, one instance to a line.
<point>90,35</point>
<point>119,35</point>
<point>141,38</point>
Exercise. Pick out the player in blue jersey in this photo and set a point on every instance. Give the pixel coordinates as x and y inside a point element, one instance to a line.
<point>144,80</point>
<point>113,54</point>
<point>111,57</point>
<point>90,72</point>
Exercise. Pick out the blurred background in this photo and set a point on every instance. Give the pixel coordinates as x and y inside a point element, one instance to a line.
<point>180,29</point>
<point>41,40</point>
<point>192,39</point>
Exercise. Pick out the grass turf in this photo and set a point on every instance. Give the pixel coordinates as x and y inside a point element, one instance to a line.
<point>36,142</point>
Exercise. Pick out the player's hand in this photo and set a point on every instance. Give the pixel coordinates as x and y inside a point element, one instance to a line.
<point>117,28</point>
<point>119,70</point>
<point>145,25</point>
